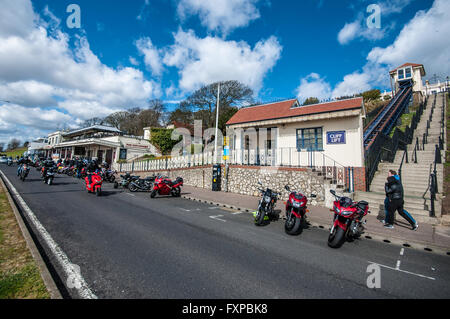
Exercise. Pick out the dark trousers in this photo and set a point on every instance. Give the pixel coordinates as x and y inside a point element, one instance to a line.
<point>397,205</point>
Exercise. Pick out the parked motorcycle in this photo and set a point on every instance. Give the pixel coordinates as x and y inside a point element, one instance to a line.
<point>24,172</point>
<point>109,175</point>
<point>142,184</point>
<point>96,185</point>
<point>125,180</point>
<point>164,186</point>
<point>266,206</point>
<point>347,222</point>
<point>49,175</point>
<point>296,210</point>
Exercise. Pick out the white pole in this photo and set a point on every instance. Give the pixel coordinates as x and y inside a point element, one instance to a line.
<point>217,124</point>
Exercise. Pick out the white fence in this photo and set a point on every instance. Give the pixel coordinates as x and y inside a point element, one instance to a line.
<point>281,157</point>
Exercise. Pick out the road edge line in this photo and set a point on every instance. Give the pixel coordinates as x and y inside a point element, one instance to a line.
<point>84,291</point>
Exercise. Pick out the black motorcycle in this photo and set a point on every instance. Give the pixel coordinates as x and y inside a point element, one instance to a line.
<point>142,184</point>
<point>266,206</point>
<point>109,175</point>
<point>49,175</point>
<point>24,172</point>
<point>125,180</point>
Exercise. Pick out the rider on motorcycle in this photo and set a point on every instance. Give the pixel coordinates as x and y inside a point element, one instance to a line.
<point>48,163</point>
<point>20,162</point>
<point>92,168</point>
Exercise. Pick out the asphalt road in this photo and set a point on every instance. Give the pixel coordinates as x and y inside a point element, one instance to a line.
<point>130,246</point>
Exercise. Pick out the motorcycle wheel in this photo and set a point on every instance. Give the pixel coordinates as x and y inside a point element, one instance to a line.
<point>50,181</point>
<point>132,188</point>
<point>98,191</point>
<point>259,219</point>
<point>116,185</point>
<point>153,194</point>
<point>176,192</point>
<point>336,238</point>
<point>292,226</point>
<point>112,179</point>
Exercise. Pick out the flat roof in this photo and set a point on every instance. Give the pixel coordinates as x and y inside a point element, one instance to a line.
<point>99,128</point>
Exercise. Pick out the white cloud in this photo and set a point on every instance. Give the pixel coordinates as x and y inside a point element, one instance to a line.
<point>219,15</point>
<point>152,57</point>
<point>40,71</point>
<point>133,61</point>
<point>423,40</point>
<point>313,86</point>
<point>202,61</point>
<point>349,32</point>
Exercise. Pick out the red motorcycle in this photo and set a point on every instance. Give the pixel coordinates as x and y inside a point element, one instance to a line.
<point>296,210</point>
<point>347,222</point>
<point>96,185</point>
<point>164,186</point>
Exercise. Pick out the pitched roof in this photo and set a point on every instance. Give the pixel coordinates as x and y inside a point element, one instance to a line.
<point>407,64</point>
<point>285,109</point>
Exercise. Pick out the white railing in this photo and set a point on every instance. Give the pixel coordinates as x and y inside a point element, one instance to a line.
<point>280,157</point>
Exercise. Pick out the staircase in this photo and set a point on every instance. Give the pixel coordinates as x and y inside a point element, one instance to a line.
<point>415,176</point>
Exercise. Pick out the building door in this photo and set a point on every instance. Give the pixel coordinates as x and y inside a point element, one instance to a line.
<point>108,157</point>
<point>99,156</point>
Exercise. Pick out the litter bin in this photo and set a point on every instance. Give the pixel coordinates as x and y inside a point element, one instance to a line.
<point>216,177</point>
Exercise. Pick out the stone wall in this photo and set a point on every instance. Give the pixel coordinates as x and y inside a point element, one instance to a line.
<point>244,180</point>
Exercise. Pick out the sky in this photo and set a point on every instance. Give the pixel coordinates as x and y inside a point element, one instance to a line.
<point>55,73</point>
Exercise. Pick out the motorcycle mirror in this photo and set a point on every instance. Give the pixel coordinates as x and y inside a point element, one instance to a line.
<point>333,192</point>
<point>287,188</point>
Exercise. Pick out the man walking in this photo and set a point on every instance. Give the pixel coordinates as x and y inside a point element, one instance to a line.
<point>394,194</point>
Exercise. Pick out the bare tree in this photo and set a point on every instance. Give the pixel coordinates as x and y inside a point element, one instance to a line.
<point>14,143</point>
<point>2,145</point>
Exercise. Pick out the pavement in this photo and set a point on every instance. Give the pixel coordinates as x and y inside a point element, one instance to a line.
<point>427,236</point>
<point>127,245</point>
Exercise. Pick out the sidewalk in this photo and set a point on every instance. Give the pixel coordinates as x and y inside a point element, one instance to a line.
<point>436,238</point>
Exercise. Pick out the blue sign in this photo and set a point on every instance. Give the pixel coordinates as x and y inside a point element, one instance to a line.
<point>336,137</point>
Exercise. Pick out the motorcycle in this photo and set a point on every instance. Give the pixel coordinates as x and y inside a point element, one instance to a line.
<point>142,184</point>
<point>49,175</point>
<point>109,175</point>
<point>10,162</point>
<point>125,180</point>
<point>296,210</point>
<point>266,206</point>
<point>347,222</point>
<point>164,186</point>
<point>96,185</point>
<point>24,172</point>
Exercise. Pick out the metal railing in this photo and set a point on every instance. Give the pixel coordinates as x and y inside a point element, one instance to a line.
<point>288,157</point>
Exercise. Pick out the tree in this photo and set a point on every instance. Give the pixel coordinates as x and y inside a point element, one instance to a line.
<point>202,102</point>
<point>2,145</point>
<point>13,144</point>
<point>311,100</point>
<point>161,138</point>
<point>92,121</point>
<point>26,143</point>
<point>371,95</point>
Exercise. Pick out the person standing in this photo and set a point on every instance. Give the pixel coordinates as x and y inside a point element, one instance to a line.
<point>394,194</point>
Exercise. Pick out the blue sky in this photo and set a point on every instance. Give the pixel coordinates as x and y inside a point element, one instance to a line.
<point>127,52</point>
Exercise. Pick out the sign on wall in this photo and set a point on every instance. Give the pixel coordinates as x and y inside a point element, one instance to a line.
<point>336,137</point>
<point>123,154</point>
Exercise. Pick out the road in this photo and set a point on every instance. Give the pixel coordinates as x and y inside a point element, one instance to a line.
<point>130,246</point>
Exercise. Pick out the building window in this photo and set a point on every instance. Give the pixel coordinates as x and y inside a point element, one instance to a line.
<point>310,139</point>
<point>407,72</point>
<point>401,74</point>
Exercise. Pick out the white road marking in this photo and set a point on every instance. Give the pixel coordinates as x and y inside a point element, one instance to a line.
<point>236,213</point>
<point>402,251</point>
<point>404,271</point>
<point>397,267</point>
<point>214,207</point>
<point>217,218</point>
<point>131,194</point>
<point>82,287</point>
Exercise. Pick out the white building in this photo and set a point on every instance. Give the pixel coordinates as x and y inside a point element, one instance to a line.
<point>408,71</point>
<point>285,133</point>
<point>100,142</point>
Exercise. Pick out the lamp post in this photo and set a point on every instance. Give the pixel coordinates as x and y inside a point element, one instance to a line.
<point>217,124</point>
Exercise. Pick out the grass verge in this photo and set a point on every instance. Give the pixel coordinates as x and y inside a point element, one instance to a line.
<point>19,275</point>
<point>16,152</point>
